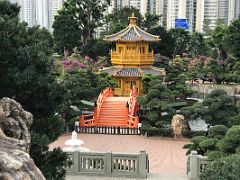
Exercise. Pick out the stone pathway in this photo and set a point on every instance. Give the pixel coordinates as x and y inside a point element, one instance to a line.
<point>166,155</point>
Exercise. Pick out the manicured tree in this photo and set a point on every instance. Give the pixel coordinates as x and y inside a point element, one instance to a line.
<point>216,108</point>
<point>207,145</point>
<point>195,111</point>
<point>157,100</point>
<point>224,168</point>
<point>177,76</point>
<point>195,145</point>
<point>217,131</point>
<point>235,120</point>
<point>148,81</point>
<point>230,144</point>
<point>220,107</point>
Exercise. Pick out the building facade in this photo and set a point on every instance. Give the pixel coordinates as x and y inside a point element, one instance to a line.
<point>28,11</point>
<point>39,12</point>
<point>42,13</point>
<point>197,12</point>
<point>175,9</point>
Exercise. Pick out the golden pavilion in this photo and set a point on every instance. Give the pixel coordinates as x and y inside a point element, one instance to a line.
<point>132,58</point>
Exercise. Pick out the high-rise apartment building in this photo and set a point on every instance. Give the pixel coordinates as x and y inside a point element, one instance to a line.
<point>212,12</point>
<point>42,13</point>
<point>175,9</point>
<point>191,14</point>
<point>135,3</point>
<point>234,10</point>
<point>223,11</point>
<point>54,7</point>
<point>141,5</point>
<point>39,12</point>
<point>28,11</point>
<point>197,12</point>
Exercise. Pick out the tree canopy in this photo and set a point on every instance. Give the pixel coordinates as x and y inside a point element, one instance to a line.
<point>216,108</point>
<point>26,76</point>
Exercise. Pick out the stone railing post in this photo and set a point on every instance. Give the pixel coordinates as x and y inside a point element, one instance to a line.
<point>142,164</point>
<point>75,162</point>
<point>194,166</point>
<point>108,162</point>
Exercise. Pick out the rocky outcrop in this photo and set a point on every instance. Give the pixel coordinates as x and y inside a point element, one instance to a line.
<point>15,162</point>
<point>178,125</point>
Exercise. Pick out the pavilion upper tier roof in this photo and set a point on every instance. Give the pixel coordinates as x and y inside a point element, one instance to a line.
<point>132,33</point>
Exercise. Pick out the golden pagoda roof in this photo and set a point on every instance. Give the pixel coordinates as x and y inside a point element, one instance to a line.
<point>132,33</point>
<point>133,71</point>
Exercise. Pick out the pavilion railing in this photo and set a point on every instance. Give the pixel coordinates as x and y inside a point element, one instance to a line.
<point>107,130</point>
<point>120,58</point>
<point>133,108</point>
<point>109,164</point>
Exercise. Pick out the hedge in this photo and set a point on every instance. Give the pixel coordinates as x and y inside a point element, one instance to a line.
<point>153,131</point>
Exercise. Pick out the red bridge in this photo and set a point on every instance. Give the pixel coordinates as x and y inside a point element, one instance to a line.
<point>113,111</point>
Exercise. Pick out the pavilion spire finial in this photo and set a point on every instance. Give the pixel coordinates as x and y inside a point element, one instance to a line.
<point>133,20</point>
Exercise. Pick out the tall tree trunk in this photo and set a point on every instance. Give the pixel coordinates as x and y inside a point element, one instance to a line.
<point>66,52</point>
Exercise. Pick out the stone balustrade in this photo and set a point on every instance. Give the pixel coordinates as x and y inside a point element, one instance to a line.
<point>195,165</point>
<point>109,164</point>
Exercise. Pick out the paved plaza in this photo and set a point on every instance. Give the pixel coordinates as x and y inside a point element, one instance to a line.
<point>166,155</point>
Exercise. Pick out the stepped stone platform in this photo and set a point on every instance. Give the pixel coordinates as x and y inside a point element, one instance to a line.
<point>166,155</point>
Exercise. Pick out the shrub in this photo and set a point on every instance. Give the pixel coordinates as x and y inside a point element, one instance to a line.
<point>224,168</point>
<point>153,131</point>
<point>198,139</point>
<point>190,134</point>
<point>235,120</point>
<point>208,143</point>
<point>231,141</point>
<point>217,131</point>
<point>213,155</point>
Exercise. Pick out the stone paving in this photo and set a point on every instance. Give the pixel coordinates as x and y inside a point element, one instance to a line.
<point>166,155</point>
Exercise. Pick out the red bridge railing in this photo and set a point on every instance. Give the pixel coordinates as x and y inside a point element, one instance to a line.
<point>91,119</point>
<point>133,108</point>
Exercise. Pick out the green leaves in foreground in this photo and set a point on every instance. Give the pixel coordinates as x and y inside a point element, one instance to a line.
<point>223,169</point>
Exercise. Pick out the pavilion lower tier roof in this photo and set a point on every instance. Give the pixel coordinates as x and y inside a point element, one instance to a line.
<point>133,71</point>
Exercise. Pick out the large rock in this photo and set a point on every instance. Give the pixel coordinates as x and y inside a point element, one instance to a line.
<point>15,162</point>
<point>178,125</point>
